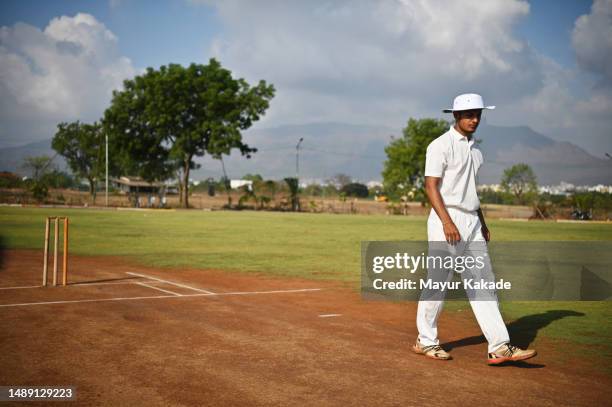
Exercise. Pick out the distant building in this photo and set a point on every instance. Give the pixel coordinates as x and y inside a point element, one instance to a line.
<point>602,188</point>
<point>565,188</point>
<point>142,193</point>
<point>490,187</point>
<point>237,183</point>
<point>136,185</point>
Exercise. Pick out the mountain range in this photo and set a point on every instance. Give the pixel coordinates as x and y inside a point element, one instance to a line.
<point>358,151</point>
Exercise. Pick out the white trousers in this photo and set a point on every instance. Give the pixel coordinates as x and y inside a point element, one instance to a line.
<point>487,312</point>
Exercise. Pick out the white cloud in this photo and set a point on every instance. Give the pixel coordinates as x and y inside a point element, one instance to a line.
<point>592,40</point>
<point>576,104</point>
<point>65,72</point>
<point>358,61</point>
<point>547,107</point>
<point>381,55</point>
<point>382,62</point>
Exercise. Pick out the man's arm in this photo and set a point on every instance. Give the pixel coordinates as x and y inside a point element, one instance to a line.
<point>433,193</point>
<point>485,230</point>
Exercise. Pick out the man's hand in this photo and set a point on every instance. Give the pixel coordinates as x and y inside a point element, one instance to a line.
<point>485,233</point>
<point>451,233</point>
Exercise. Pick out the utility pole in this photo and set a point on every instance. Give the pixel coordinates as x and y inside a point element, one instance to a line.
<point>297,158</point>
<point>296,200</point>
<point>106,136</point>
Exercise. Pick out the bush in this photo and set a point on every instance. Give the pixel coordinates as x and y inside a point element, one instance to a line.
<point>39,190</point>
<point>58,179</point>
<point>489,196</point>
<point>10,180</point>
<point>313,190</point>
<point>355,189</point>
<point>598,203</point>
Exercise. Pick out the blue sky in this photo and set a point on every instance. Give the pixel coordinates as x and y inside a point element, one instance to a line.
<point>346,61</point>
<point>151,33</point>
<point>549,25</point>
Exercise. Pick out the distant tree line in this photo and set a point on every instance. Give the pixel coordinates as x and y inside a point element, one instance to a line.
<point>262,191</point>
<point>163,119</point>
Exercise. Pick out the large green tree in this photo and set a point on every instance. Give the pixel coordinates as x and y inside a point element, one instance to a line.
<point>520,181</point>
<point>404,169</point>
<point>83,147</point>
<point>163,119</point>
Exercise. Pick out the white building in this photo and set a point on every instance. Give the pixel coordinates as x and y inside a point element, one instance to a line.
<point>238,183</point>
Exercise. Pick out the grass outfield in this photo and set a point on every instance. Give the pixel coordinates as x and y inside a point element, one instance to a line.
<point>303,245</point>
<point>316,246</point>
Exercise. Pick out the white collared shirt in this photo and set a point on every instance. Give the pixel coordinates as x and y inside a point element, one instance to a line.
<point>454,158</point>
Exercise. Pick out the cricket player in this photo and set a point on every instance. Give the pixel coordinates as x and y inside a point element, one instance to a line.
<point>452,164</point>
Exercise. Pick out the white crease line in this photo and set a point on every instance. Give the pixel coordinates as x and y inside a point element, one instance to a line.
<point>17,288</point>
<point>170,282</point>
<point>299,290</point>
<point>115,283</point>
<point>92,300</point>
<point>104,283</point>
<point>161,296</point>
<point>77,284</point>
<point>329,315</point>
<point>160,289</point>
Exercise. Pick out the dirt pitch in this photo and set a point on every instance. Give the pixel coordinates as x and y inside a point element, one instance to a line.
<point>122,336</point>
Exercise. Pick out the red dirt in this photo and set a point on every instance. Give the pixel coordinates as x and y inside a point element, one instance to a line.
<point>255,349</point>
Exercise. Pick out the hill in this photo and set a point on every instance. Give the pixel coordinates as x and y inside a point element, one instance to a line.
<point>358,150</point>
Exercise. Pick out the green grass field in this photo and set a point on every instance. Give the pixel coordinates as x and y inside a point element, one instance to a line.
<point>314,246</point>
<point>304,245</point>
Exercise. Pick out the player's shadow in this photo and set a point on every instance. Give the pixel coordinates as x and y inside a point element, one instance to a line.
<point>522,332</point>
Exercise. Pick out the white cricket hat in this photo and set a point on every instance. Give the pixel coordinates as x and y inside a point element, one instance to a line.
<point>468,101</point>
